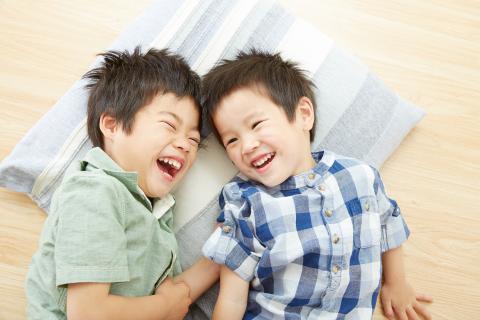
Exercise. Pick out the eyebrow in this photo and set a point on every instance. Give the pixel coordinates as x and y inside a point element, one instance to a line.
<point>171,114</point>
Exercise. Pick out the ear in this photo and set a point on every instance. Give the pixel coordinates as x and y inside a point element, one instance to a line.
<point>109,126</point>
<point>305,114</point>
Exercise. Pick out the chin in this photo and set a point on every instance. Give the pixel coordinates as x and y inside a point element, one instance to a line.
<point>157,192</point>
<point>268,183</point>
<point>275,182</point>
<point>158,195</point>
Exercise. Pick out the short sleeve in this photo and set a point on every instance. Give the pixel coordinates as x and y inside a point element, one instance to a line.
<point>394,229</point>
<point>90,244</point>
<point>226,245</point>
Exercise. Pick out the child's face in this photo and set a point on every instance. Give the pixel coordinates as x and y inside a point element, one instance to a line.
<point>162,145</point>
<point>259,138</point>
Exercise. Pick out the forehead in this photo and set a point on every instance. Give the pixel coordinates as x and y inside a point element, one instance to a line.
<point>237,111</point>
<point>245,102</point>
<point>184,109</point>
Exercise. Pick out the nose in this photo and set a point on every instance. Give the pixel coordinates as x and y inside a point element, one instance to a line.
<point>182,144</point>
<point>249,144</point>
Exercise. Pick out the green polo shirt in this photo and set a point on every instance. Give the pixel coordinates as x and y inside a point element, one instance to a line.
<point>101,228</point>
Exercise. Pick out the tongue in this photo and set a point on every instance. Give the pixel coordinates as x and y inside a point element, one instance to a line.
<point>172,171</point>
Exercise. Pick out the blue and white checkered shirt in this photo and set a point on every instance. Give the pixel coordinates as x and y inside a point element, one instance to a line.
<point>312,246</point>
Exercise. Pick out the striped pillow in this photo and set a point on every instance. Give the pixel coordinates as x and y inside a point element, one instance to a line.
<point>356,116</point>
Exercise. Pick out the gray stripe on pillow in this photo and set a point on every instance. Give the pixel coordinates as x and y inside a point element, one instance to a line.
<point>356,131</point>
<point>340,77</point>
<point>271,29</point>
<point>198,30</point>
<point>249,26</point>
<point>25,154</point>
<point>405,117</point>
<point>191,238</point>
<point>143,30</point>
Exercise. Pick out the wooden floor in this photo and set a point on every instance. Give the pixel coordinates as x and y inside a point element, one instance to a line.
<point>427,50</point>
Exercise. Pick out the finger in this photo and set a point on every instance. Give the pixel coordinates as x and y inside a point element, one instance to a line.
<point>387,309</point>
<point>424,298</point>
<point>400,313</point>
<point>412,315</point>
<point>422,310</point>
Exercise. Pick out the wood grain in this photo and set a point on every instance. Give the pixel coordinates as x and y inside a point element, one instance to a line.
<point>426,50</point>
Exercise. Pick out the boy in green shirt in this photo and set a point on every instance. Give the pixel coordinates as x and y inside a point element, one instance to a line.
<point>105,252</point>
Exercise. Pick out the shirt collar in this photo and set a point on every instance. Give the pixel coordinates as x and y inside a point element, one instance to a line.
<point>99,159</point>
<point>163,205</point>
<point>324,160</point>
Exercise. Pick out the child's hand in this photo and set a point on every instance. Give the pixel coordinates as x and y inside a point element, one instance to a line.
<point>178,295</point>
<point>400,301</point>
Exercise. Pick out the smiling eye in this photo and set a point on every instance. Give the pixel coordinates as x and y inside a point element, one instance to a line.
<point>194,141</point>
<point>232,140</point>
<point>255,124</point>
<point>169,125</point>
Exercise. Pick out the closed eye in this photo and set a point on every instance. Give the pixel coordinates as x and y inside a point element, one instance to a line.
<point>255,124</point>
<point>195,141</point>
<point>232,140</point>
<point>172,126</point>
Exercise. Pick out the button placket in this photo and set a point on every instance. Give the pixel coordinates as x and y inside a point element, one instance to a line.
<point>335,268</point>
<point>337,253</point>
<point>337,246</point>
<point>336,271</point>
<point>310,179</point>
<point>336,239</point>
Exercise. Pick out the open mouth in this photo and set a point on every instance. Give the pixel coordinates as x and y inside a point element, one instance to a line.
<point>263,161</point>
<point>169,167</point>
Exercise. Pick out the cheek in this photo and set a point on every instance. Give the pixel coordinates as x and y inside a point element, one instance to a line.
<point>233,156</point>
<point>269,135</point>
<point>192,156</point>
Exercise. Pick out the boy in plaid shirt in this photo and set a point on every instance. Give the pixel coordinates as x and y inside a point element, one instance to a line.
<point>304,235</point>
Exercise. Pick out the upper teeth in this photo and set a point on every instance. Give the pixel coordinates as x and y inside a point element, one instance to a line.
<point>263,159</point>
<point>174,163</point>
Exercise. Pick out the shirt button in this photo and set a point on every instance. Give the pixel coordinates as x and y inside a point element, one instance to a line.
<point>367,206</point>
<point>336,238</point>
<point>328,213</point>
<point>335,269</point>
<point>226,229</point>
<point>321,187</point>
<point>311,176</point>
<point>396,212</point>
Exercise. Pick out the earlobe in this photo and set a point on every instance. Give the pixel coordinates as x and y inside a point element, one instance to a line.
<point>108,126</point>
<point>306,113</point>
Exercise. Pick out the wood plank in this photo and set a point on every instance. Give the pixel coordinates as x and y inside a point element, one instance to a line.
<point>428,51</point>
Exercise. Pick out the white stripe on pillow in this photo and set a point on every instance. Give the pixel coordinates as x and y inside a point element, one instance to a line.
<point>217,45</point>
<point>305,45</point>
<point>171,29</point>
<point>76,139</point>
